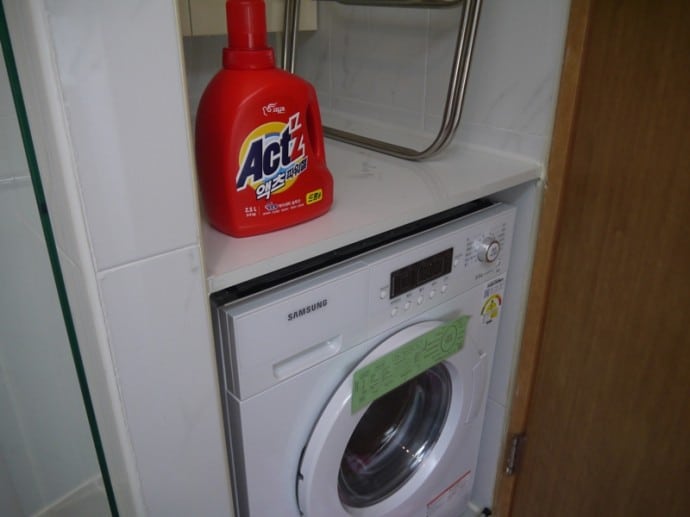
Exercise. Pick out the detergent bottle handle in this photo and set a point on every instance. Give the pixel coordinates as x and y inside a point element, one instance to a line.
<point>315,131</point>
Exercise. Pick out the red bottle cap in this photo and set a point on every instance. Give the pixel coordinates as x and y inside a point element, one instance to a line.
<point>247,43</point>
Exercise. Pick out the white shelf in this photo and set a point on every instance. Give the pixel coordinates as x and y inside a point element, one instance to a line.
<point>373,194</point>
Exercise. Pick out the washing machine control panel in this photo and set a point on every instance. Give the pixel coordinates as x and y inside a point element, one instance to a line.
<point>417,274</point>
<point>448,261</point>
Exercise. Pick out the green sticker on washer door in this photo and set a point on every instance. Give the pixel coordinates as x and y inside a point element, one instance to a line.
<point>406,362</point>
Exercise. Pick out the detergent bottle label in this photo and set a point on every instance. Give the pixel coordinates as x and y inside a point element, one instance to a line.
<point>272,157</point>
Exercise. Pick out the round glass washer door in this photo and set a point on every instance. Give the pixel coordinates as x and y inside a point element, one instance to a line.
<point>393,437</point>
<point>374,461</point>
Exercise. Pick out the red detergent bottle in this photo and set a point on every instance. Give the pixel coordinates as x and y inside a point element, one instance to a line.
<point>259,142</point>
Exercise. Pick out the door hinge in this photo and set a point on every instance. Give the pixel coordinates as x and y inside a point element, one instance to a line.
<point>515,445</point>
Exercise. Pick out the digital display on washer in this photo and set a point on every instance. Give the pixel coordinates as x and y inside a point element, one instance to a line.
<point>409,277</point>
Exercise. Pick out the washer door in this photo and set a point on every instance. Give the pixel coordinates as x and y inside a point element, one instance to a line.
<point>374,461</point>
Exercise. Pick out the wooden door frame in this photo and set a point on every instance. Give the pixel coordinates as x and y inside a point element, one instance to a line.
<point>547,237</point>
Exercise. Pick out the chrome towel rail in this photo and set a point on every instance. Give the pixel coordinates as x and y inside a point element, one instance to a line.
<point>290,24</point>
<point>455,95</point>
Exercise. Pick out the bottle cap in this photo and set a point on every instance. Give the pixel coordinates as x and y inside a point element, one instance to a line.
<point>247,43</point>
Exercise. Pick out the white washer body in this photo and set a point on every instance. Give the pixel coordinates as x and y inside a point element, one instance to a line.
<point>288,355</point>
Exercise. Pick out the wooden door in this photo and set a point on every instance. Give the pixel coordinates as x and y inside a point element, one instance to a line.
<point>608,425</point>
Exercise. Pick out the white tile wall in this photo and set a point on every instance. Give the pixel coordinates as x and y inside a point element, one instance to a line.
<point>6,103</point>
<point>33,54</point>
<point>9,501</point>
<point>317,46</point>
<point>87,500</point>
<point>12,159</point>
<point>121,90</point>
<point>372,65</point>
<point>45,438</point>
<point>45,443</point>
<point>87,316</point>
<point>157,320</point>
<point>203,56</point>
<point>393,65</point>
<point>515,73</point>
<point>118,170</point>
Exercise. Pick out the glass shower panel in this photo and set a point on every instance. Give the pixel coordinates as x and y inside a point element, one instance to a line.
<point>48,461</point>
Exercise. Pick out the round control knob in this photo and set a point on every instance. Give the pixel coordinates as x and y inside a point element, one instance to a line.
<point>488,250</point>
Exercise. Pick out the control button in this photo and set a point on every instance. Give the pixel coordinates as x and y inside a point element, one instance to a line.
<point>488,250</point>
<point>383,294</point>
<point>420,299</point>
<point>432,293</point>
<point>407,305</point>
<point>394,311</point>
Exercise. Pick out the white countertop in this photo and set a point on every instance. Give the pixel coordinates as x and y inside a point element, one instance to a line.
<point>374,193</point>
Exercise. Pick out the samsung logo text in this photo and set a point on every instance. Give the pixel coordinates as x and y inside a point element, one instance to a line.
<point>307,309</point>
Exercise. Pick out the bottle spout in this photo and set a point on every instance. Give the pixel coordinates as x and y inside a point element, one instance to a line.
<point>247,42</point>
<point>246,21</point>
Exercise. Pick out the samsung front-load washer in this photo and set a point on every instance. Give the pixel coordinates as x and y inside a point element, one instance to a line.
<point>360,388</point>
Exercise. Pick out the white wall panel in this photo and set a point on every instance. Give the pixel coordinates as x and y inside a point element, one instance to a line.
<point>157,321</point>
<point>120,75</point>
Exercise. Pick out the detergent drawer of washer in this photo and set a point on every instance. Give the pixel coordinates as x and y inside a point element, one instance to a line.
<point>271,339</point>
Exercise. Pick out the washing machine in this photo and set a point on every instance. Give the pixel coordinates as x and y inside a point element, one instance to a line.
<point>360,388</point>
